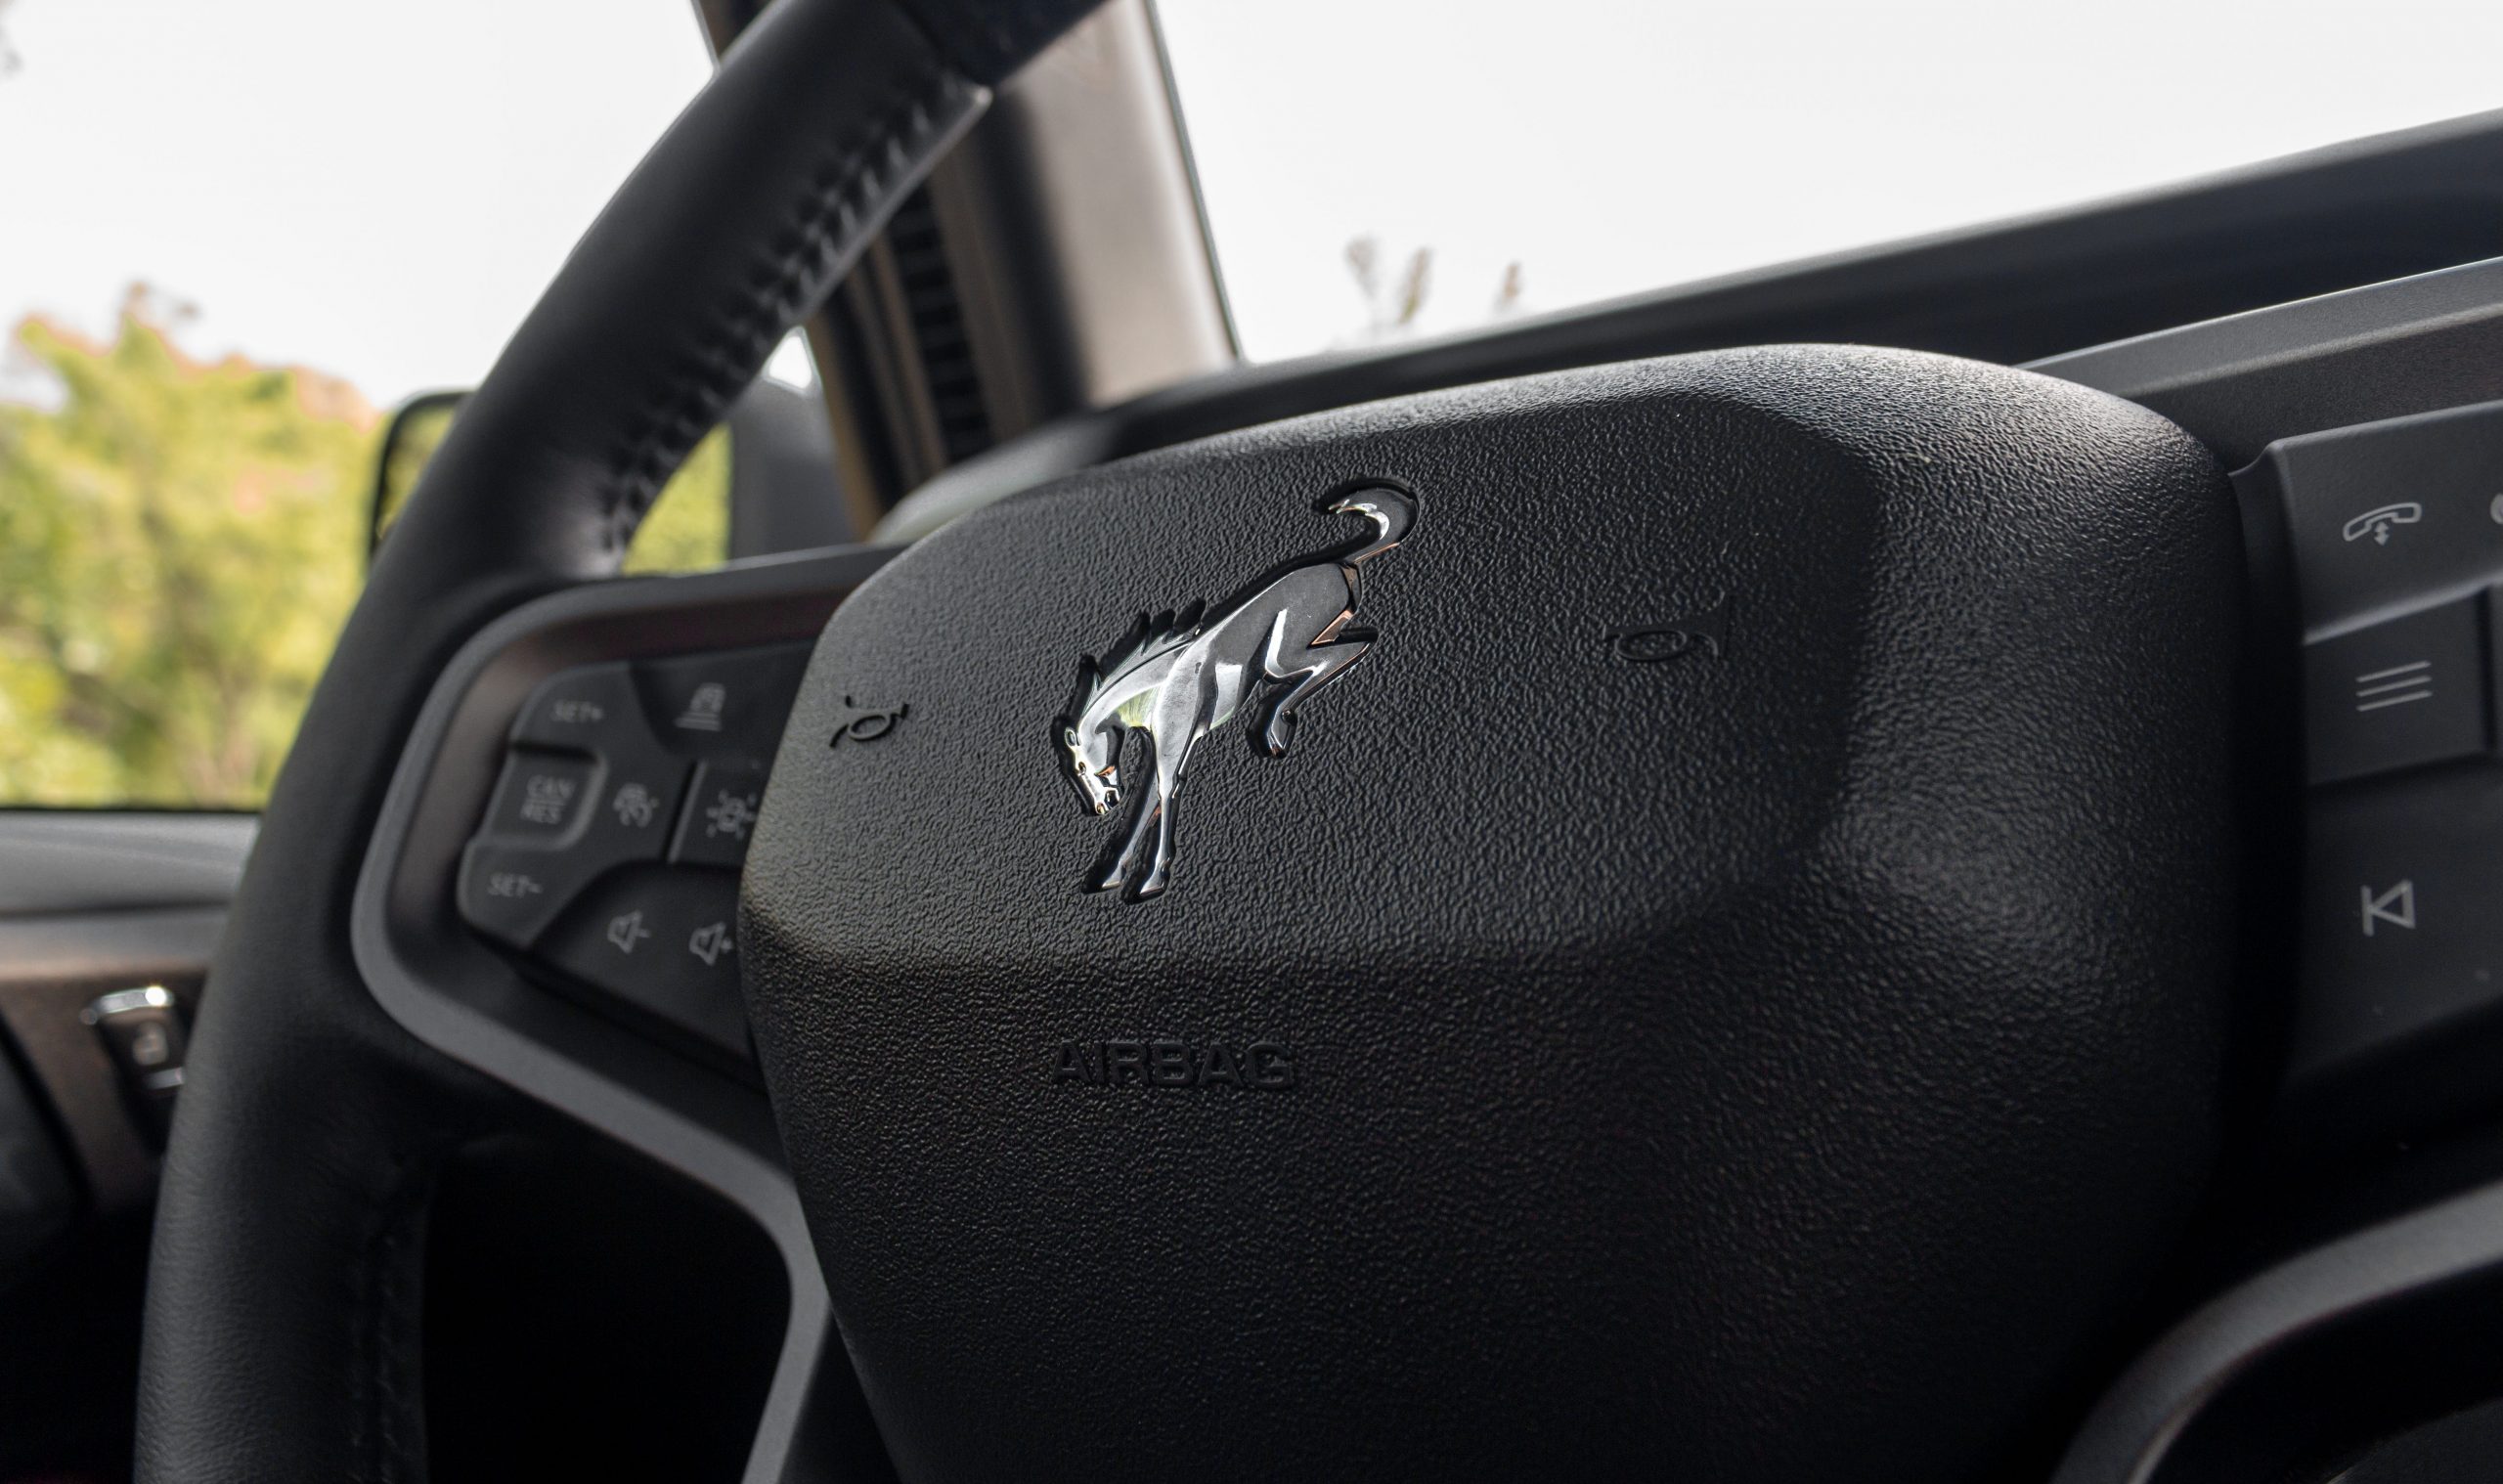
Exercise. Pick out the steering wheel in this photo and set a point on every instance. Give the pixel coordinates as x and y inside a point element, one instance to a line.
<point>1672,915</point>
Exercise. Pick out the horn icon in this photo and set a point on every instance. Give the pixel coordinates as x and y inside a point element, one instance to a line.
<point>1674,639</point>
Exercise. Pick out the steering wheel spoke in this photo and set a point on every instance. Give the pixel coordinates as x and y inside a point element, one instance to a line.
<point>549,893</point>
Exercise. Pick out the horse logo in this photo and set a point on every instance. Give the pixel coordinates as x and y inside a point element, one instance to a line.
<point>1178,676</point>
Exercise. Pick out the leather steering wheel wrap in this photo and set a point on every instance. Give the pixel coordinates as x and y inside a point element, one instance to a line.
<point>282,1326</point>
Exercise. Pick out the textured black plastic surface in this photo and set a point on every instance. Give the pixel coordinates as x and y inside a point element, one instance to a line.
<point>2413,345</point>
<point>1776,1063</point>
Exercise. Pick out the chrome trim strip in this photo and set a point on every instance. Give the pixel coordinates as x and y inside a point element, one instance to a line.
<point>123,1001</point>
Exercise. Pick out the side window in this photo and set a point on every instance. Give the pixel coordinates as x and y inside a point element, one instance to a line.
<point>209,303</point>
<point>147,655</point>
<point>687,530</point>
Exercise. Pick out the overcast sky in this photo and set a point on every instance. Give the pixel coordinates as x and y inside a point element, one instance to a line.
<point>1611,145</point>
<point>379,187</point>
<point>374,187</point>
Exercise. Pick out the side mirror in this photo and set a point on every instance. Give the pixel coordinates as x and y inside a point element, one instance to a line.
<point>764,481</point>
<point>416,430</point>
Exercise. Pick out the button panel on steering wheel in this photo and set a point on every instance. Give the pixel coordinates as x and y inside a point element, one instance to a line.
<point>609,852</point>
<point>2396,536</point>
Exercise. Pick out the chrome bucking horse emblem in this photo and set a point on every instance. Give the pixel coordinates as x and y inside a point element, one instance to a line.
<point>1178,676</point>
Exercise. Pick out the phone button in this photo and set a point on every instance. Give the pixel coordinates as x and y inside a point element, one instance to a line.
<point>2390,513</point>
<point>2399,695</point>
<point>2376,524</point>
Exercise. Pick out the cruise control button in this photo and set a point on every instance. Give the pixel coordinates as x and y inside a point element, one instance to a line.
<point>721,816</point>
<point>2403,936</point>
<point>2409,691</point>
<point>515,880</point>
<point>666,943</point>
<point>511,893</point>
<point>540,798</point>
<point>638,798</point>
<point>730,704</point>
<point>593,709</point>
<point>595,793</point>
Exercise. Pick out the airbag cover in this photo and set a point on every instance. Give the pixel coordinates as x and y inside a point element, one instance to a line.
<point>1732,984</point>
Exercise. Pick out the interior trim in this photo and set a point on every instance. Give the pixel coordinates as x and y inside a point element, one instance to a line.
<point>2410,345</point>
<point>700,1124</point>
<point>68,861</point>
<point>2301,1344</point>
<point>2368,211</point>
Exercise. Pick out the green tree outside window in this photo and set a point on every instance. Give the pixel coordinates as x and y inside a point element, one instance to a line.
<point>180,541</point>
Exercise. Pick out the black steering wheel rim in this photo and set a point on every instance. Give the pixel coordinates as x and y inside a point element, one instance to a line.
<point>282,1329</point>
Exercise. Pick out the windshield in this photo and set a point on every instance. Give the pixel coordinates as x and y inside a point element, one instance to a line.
<point>1373,169</point>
